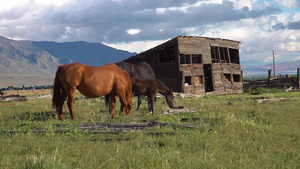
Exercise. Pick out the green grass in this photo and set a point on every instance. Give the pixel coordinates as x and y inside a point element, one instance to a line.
<point>246,134</point>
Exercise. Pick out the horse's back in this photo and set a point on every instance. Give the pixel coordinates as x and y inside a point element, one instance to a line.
<point>71,74</point>
<point>93,81</point>
<point>139,70</point>
<point>144,71</point>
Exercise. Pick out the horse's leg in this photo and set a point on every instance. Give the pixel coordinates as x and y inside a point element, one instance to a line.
<point>139,101</point>
<point>108,103</point>
<point>113,105</point>
<point>124,103</point>
<point>149,103</point>
<point>129,102</point>
<point>121,107</point>
<point>70,102</point>
<point>152,103</point>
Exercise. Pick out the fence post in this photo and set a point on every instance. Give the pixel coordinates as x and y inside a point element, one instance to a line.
<point>298,77</point>
<point>269,78</point>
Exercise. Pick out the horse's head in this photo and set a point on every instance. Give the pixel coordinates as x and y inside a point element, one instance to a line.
<point>170,100</point>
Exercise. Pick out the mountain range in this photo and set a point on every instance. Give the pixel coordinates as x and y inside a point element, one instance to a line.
<point>42,58</point>
<point>290,66</point>
<point>26,57</point>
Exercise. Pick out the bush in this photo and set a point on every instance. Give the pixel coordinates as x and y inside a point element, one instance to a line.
<point>262,90</point>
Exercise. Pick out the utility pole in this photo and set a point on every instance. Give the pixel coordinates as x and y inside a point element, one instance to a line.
<point>274,63</point>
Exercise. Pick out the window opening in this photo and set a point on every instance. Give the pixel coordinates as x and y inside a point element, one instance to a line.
<point>214,51</point>
<point>227,77</point>
<point>187,81</point>
<point>198,80</point>
<point>236,78</point>
<point>224,54</point>
<point>185,59</point>
<point>234,56</point>
<point>196,58</point>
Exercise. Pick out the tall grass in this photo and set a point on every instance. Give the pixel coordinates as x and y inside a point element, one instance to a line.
<point>234,131</point>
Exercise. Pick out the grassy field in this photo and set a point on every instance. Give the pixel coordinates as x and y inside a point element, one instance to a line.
<point>232,131</point>
<point>29,80</point>
<point>28,93</point>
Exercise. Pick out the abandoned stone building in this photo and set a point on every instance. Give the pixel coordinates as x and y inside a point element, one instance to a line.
<point>196,65</point>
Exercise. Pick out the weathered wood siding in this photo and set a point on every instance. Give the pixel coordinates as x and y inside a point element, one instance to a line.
<point>166,72</point>
<point>189,77</point>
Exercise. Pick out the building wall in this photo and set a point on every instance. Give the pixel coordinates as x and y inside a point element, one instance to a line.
<point>166,71</point>
<point>196,65</point>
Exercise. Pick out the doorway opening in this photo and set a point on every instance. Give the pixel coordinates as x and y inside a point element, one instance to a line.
<point>208,78</point>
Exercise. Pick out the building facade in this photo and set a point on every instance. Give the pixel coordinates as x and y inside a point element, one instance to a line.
<point>196,65</point>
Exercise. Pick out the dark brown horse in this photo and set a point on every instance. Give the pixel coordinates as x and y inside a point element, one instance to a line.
<point>150,88</point>
<point>140,70</point>
<point>92,82</point>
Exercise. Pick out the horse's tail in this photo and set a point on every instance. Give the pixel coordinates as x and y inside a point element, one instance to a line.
<point>57,89</point>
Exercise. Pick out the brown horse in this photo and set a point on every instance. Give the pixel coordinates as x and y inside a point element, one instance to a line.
<point>150,88</point>
<point>92,82</point>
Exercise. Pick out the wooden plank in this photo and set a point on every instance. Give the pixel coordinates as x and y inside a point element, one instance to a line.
<point>227,85</point>
<point>217,78</point>
<point>206,58</point>
<point>199,90</point>
<point>188,89</point>
<point>270,100</point>
<point>219,84</point>
<point>177,111</point>
<point>237,85</point>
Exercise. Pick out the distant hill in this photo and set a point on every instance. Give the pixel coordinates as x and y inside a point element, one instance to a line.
<point>25,58</point>
<point>42,58</point>
<point>95,54</point>
<point>279,67</point>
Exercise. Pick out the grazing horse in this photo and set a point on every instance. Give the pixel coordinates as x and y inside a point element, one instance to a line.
<point>138,70</point>
<point>150,88</point>
<point>92,82</point>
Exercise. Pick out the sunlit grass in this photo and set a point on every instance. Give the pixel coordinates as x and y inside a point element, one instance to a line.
<point>234,131</point>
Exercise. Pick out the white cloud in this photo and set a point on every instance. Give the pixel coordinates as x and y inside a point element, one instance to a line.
<point>136,25</point>
<point>184,8</point>
<point>288,4</point>
<point>239,4</point>
<point>133,31</point>
<point>268,59</point>
<point>289,46</point>
<point>136,46</point>
<point>7,5</point>
<point>52,2</point>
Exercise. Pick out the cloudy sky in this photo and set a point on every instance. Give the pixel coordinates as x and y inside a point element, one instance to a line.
<point>137,25</point>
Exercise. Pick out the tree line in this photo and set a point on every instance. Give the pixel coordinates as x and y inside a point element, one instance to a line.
<point>23,87</point>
